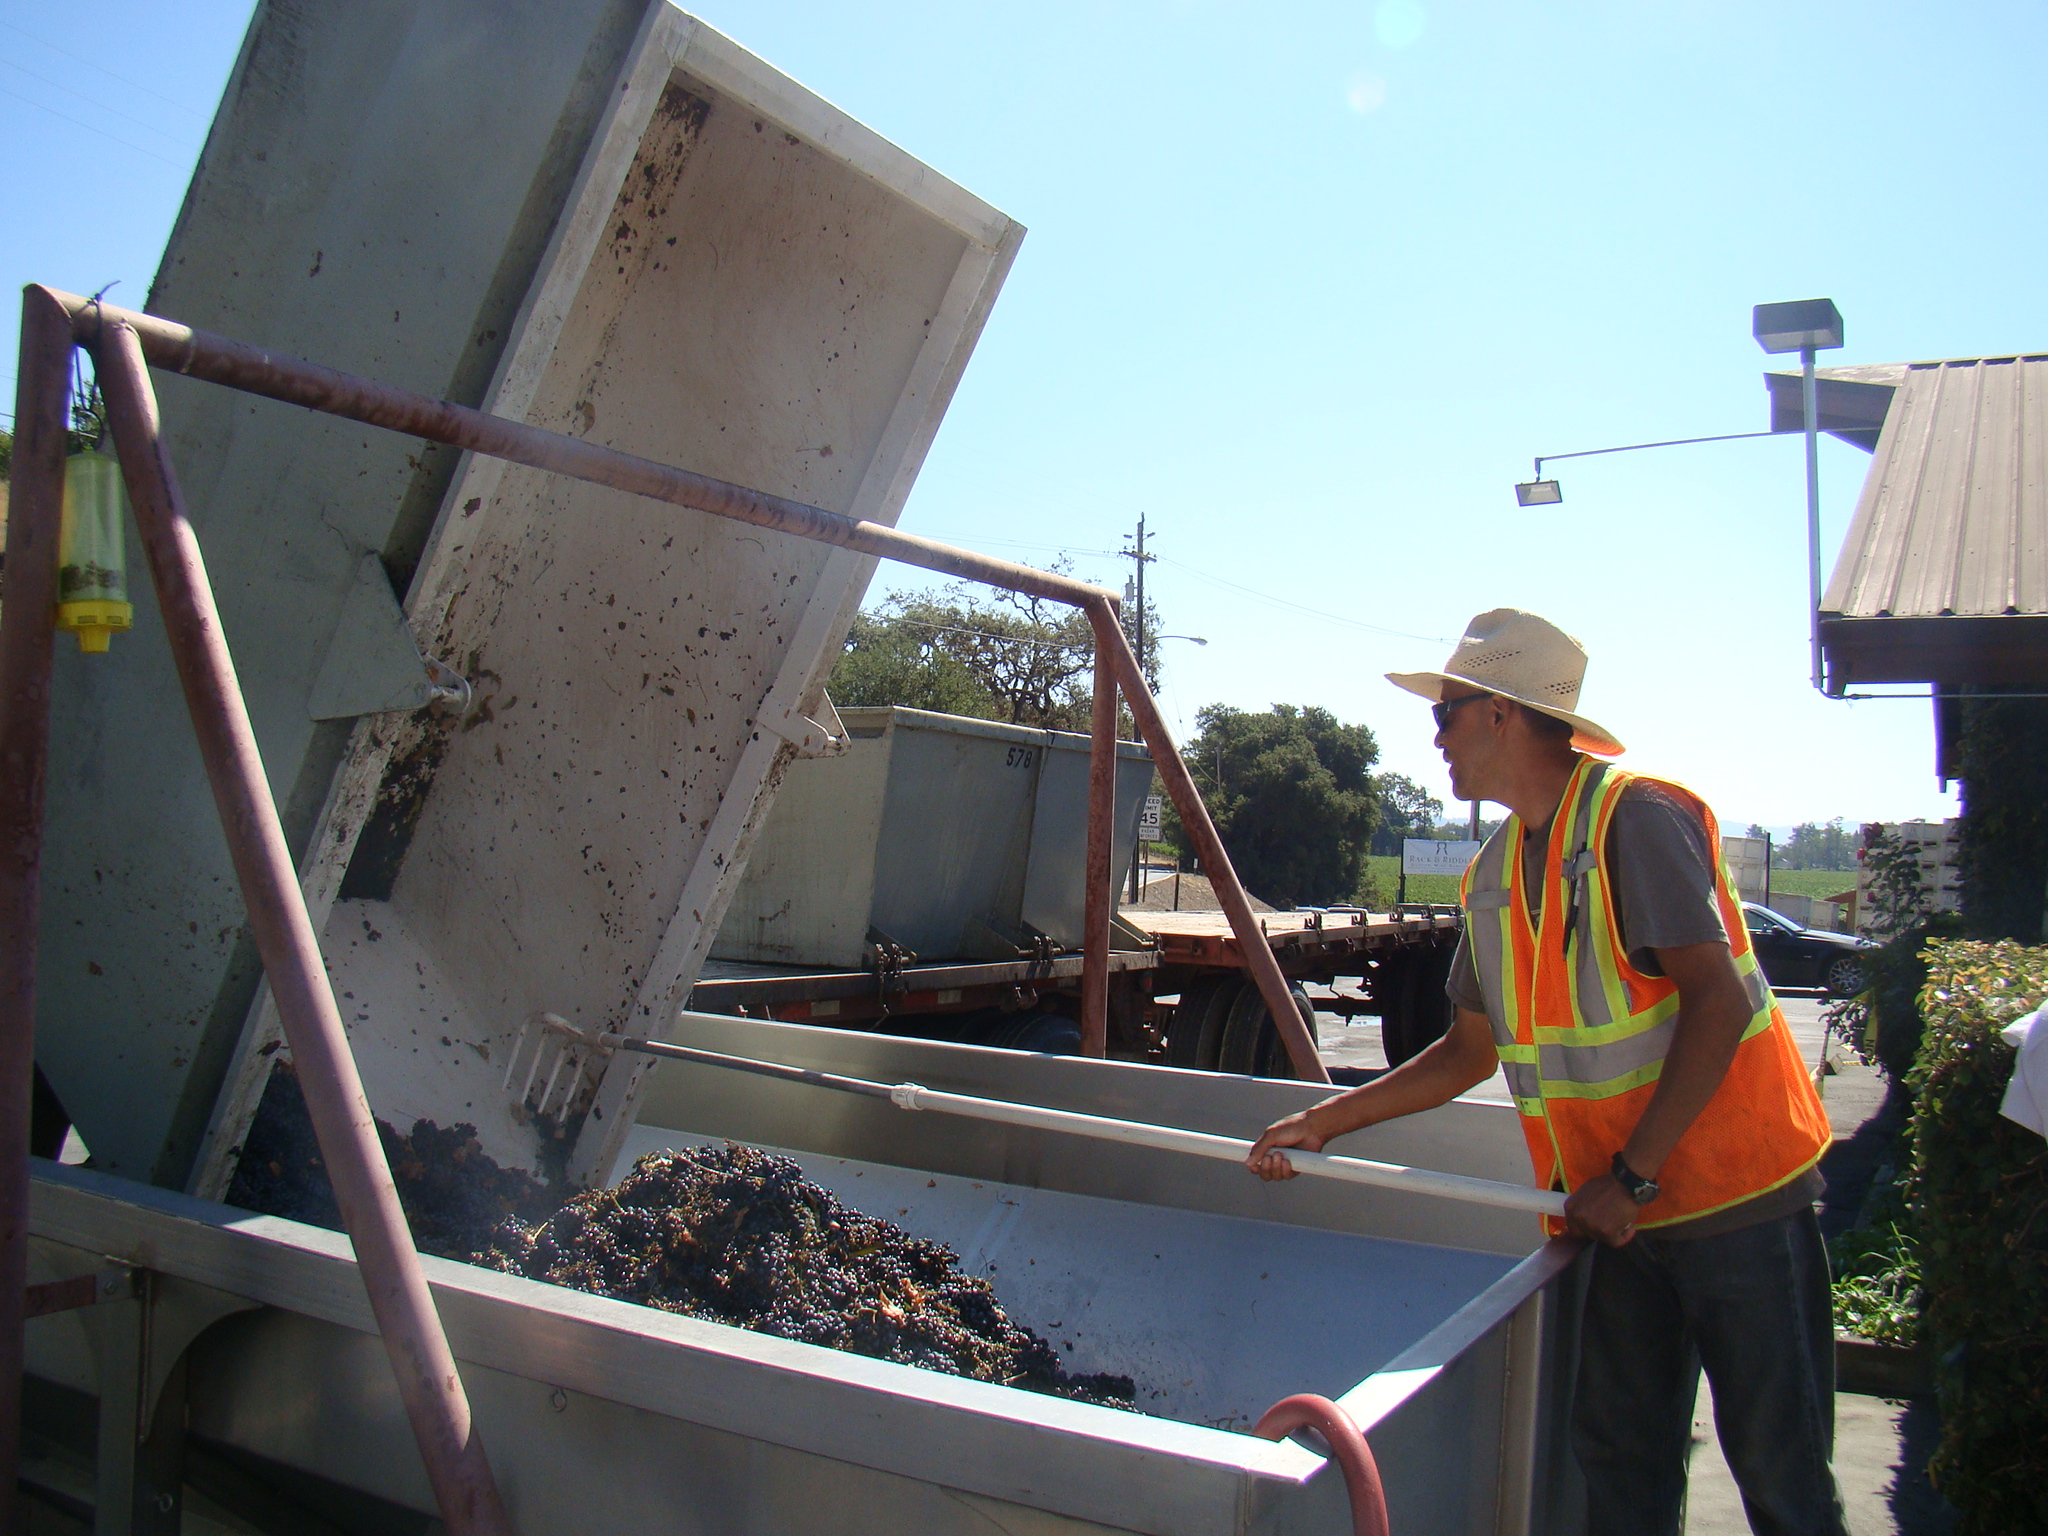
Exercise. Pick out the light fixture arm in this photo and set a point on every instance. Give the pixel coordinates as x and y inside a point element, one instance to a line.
<point>1676,442</point>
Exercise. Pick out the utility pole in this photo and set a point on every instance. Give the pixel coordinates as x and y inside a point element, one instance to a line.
<point>1135,624</point>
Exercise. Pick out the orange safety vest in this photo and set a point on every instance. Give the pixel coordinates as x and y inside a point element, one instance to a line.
<point>1582,1034</point>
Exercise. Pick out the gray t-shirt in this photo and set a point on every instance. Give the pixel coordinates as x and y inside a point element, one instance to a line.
<point>1662,876</point>
<point>1661,871</point>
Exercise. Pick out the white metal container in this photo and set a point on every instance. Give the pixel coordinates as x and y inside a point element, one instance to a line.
<point>1443,1329</point>
<point>951,838</point>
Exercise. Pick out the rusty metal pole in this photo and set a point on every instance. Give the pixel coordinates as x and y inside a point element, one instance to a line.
<point>1101,834</point>
<point>404,1308</point>
<point>28,611</point>
<point>216,359</point>
<point>1194,816</point>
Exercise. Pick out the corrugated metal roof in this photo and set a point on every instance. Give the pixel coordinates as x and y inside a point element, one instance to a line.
<point>1954,516</point>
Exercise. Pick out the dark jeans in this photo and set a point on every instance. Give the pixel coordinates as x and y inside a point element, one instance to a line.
<point>1752,1306</point>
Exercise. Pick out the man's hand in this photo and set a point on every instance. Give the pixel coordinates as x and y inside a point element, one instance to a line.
<point>1461,1060</point>
<point>1601,1209</point>
<point>1266,1158</point>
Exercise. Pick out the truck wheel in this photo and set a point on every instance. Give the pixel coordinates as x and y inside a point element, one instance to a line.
<point>1196,1034</point>
<point>1386,981</point>
<point>1251,1043</point>
<point>1273,1058</point>
<point>1051,1034</point>
<point>1423,1014</point>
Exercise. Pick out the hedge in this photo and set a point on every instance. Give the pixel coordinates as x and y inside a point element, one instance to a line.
<point>1978,1192</point>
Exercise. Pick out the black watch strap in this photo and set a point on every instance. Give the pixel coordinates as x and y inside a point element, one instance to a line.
<point>1638,1188</point>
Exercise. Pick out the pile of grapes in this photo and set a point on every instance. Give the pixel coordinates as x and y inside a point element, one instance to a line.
<point>455,1196</point>
<point>735,1235</point>
<point>730,1234</point>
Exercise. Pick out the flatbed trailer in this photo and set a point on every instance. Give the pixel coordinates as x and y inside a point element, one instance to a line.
<point>1187,964</point>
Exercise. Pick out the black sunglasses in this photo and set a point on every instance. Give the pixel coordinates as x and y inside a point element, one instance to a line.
<point>1442,713</point>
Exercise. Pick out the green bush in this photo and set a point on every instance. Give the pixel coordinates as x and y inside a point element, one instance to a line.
<point>1978,1194</point>
<point>1877,1271</point>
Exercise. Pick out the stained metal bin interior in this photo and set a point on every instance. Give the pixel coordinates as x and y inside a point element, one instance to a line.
<point>952,838</point>
<point>1439,1327</point>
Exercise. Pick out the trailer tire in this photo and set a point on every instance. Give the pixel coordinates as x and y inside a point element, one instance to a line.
<point>1196,1035</point>
<point>1050,1034</point>
<point>1423,1015</point>
<point>1252,1045</point>
<point>1385,982</point>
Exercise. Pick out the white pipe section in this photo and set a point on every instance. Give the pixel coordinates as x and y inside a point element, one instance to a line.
<point>1356,1170</point>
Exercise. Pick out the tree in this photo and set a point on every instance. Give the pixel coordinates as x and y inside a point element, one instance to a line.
<point>1292,794</point>
<point>2002,759</point>
<point>972,650</point>
<point>1812,846</point>
<point>1458,831</point>
<point>1406,810</point>
<point>1757,832</point>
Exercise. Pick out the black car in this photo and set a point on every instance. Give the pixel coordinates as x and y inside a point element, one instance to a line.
<point>1792,956</point>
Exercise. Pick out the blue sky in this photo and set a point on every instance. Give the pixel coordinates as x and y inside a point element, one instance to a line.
<point>1309,285</point>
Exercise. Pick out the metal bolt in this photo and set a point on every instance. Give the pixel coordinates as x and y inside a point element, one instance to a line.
<point>558,1400</point>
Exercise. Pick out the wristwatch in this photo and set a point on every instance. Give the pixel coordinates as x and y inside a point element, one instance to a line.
<point>1638,1188</point>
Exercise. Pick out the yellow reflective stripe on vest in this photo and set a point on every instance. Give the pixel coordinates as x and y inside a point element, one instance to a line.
<point>1575,1072</point>
<point>1485,897</point>
<point>1599,994</point>
<point>1605,1049</point>
<point>1581,1031</point>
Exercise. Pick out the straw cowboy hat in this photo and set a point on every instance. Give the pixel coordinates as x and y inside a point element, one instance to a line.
<point>1525,658</point>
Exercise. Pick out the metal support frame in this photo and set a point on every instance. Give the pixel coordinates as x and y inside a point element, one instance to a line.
<point>1101,898</point>
<point>340,1111</point>
<point>139,1462</point>
<point>27,646</point>
<point>138,1325</point>
<point>127,343</point>
<point>1244,923</point>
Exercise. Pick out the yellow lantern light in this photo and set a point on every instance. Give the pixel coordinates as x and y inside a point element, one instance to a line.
<point>92,576</point>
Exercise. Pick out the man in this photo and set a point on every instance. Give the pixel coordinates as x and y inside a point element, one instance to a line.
<point>1605,965</point>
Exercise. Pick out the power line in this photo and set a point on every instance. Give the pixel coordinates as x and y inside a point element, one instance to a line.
<point>973,540</point>
<point>1286,602</point>
<point>90,101</point>
<point>91,128</point>
<point>1264,597</point>
<point>90,64</point>
<point>984,634</point>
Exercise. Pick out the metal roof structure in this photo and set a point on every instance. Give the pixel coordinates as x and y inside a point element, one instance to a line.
<point>1852,400</point>
<point>1943,577</point>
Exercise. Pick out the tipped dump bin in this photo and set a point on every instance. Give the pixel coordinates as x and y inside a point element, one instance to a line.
<point>948,837</point>
<point>606,220</point>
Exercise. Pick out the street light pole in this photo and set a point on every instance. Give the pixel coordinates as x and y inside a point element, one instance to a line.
<point>1805,326</point>
<point>1808,402</point>
<point>1138,649</point>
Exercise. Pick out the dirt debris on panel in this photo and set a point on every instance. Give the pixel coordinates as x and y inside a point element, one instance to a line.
<point>729,1234</point>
